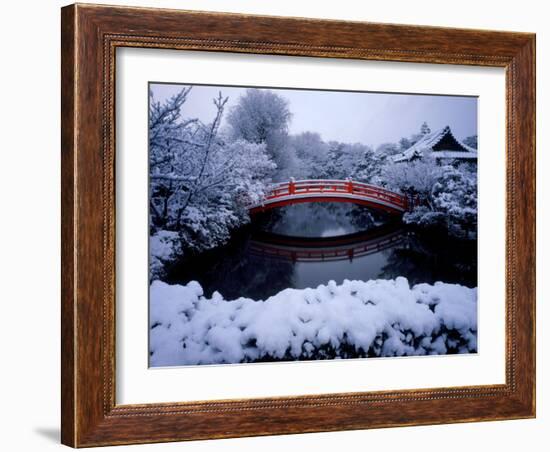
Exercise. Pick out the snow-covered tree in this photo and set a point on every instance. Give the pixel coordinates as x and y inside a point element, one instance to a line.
<point>425,129</point>
<point>388,149</point>
<point>310,152</point>
<point>455,195</point>
<point>369,167</point>
<point>180,158</point>
<point>334,167</point>
<point>347,160</point>
<point>448,195</point>
<point>201,180</point>
<point>419,176</point>
<point>262,117</point>
<point>171,145</point>
<point>405,143</point>
<point>471,141</point>
<point>309,146</point>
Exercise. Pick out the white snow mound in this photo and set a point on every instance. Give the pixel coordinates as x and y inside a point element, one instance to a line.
<point>355,319</point>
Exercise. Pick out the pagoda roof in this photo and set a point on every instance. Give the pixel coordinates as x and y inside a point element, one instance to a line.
<point>439,144</point>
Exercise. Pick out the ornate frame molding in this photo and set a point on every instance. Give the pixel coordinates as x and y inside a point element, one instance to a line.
<point>90,37</point>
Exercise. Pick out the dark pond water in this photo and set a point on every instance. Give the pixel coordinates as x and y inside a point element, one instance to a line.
<point>306,245</point>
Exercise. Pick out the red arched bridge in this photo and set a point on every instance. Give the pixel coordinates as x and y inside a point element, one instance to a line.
<point>332,190</point>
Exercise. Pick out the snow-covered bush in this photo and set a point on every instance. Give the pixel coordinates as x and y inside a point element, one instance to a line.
<point>448,194</point>
<point>220,202</point>
<point>164,247</point>
<point>451,203</point>
<point>418,175</point>
<point>455,196</point>
<point>356,319</point>
<point>425,217</point>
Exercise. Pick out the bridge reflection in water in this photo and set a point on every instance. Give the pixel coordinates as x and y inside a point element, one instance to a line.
<point>326,249</point>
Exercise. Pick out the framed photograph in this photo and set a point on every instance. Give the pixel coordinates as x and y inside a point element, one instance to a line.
<point>281,225</point>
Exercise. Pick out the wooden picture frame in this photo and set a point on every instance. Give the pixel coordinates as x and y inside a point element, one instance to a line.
<point>90,36</point>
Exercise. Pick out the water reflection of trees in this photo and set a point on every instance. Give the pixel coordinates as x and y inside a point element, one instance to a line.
<point>363,218</point>
<point>428,259</point>
<point>321,219</point>
<point>234,272</point>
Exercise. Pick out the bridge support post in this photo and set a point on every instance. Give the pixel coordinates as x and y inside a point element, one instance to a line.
<point>349,185</point>
<point>292,186</point>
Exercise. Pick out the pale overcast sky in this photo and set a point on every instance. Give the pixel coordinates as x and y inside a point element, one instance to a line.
<point>370,118</point>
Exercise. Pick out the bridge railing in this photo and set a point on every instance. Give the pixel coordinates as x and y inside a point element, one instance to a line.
<point>320,186</point>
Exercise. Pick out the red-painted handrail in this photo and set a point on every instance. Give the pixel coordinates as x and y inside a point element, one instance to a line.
<point>317,188</point>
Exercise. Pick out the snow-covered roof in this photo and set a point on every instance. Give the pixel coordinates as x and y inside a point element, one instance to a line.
<point>434,144</point>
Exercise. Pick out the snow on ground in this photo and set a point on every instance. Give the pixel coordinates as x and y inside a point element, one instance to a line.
<point>354,319</point>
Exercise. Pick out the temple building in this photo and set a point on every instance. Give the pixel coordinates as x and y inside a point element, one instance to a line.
<point>440,145</point>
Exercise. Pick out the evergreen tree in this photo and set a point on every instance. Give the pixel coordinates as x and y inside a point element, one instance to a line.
<point>425,129</point>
